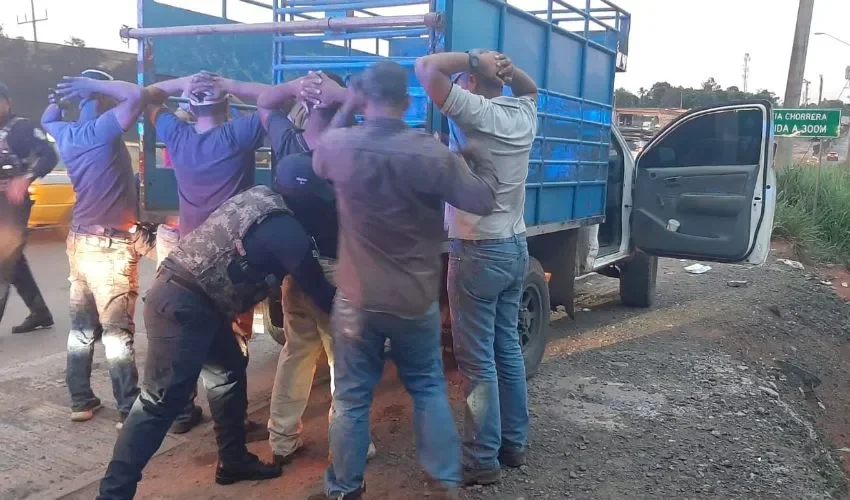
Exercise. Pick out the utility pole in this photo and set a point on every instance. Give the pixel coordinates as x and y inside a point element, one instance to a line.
<point>820,90</point>
<point>33,20</point>
<point>796,69</point>
<point>746,71</point>
<point>805,100</point>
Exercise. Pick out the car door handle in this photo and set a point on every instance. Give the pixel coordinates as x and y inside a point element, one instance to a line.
<point>673,181</point>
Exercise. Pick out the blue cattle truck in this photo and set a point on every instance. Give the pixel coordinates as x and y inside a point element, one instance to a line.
<point>703,188</point>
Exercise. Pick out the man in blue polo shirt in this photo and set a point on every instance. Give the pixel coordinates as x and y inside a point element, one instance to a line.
<point>103,259</point>
<point>212,158</point>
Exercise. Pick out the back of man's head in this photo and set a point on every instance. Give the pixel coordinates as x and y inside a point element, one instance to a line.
<point>384,85</point>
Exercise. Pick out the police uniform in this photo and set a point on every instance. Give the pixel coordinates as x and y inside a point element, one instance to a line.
<point>24,151</point>
<point>222,268</point>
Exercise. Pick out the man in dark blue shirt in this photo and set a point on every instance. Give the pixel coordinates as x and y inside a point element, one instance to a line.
<point>101,247</point>
<point>20,141</point>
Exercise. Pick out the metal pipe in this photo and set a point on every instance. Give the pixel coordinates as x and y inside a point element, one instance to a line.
<point>257,3</point>
<point>336,65</point>
<point>332,59</point>
<point>432,20</point>
<point>357,35</point>
<point>344,6</point>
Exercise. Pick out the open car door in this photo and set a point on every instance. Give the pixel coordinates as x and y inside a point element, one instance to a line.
<point>705,187</point>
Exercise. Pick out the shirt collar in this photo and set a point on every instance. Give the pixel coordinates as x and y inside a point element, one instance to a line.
<point>386,123</point>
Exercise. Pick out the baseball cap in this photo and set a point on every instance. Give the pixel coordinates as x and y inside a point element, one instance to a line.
<point>4,91</point>
<point>96,74</point>
<point>385,82</point>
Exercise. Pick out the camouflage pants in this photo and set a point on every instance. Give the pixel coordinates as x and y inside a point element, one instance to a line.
<point>104,285</point>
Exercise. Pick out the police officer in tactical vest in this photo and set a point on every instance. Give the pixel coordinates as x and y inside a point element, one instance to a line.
<point>25,154</point>
<point>224,267</point>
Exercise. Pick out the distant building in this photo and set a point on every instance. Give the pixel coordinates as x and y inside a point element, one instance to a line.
<point>647,119</point>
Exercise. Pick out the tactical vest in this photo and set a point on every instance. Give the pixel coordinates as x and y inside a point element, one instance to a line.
<point>214,255</point>
<point>10,164</point>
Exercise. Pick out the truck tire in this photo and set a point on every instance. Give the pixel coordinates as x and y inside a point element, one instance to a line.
<point>637,280</point>
<point>533,321</point>
<point>273,318</point>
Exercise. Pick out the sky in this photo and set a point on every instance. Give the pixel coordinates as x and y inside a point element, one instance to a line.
<point>683,42</point>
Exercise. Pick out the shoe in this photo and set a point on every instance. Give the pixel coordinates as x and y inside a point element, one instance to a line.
<point>249,469</point>
<point>354,495</point>
<point>511,457</point>
<point>184,426</point>
<point>471,477</point>
<point>281,460</point>
<point>255,431</point>
<point>87,413</point>
<point>34,322</point>
<point>121,419</point>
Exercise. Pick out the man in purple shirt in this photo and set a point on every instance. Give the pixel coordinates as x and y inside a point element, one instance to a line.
<point>212,159</point>
<point>103,259</point>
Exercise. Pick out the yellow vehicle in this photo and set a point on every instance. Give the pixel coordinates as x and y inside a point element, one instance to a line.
<point>53,198</point>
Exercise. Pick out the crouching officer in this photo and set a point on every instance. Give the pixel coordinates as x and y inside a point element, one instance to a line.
<point>222,268</point>
<point>25,154</point>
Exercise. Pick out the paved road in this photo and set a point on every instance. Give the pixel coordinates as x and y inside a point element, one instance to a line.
<point>43,453</point>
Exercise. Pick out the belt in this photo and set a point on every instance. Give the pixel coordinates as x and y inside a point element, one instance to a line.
<point>170,276</point>
<point>106,232</point>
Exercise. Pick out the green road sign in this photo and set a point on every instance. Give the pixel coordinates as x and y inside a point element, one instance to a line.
<point>810,122</point>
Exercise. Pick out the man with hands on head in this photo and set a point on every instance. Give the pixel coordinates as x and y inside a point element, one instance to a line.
<point>306,327</point>
<point>212,158</point>
<point>101,246</point>
<point>489,254</point>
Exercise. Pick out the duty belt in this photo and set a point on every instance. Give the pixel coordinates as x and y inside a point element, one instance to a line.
<point>171,276</point>
<point>106,232</point>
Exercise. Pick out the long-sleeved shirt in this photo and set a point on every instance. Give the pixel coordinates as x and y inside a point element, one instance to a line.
<point>391,182</point>
<point>26,140</point>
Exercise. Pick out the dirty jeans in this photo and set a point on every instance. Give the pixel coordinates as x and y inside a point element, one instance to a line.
<point>14,268</point>
<point>187,337</point>
<point>359,338</point>
<point>104,285</point>
<point>485,284</point>
<point>307,331</point>
<point>167,238</point>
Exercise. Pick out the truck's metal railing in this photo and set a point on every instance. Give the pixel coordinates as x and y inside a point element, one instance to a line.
<point>431,20</point>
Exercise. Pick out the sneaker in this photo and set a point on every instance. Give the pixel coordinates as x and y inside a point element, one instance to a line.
<point>354,495</point>
<point>121,419</point>
<point>250,468</point>
<point>512,457</point>
<point>87,413</point>
<point>34,322</point>
<point>184,426</point>
<point>472,477</point>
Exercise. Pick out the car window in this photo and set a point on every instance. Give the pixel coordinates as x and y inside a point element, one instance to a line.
<point>721,138</point>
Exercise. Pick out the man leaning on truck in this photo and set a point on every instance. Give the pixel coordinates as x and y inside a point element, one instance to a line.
<point>488,255</point>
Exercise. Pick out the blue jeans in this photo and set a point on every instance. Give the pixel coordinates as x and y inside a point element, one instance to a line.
<point>485,284</point>
<point>187,337</point>
<point>104,285</point>
<point>358,348</point>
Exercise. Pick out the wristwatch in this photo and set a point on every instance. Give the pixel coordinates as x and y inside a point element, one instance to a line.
<point>473,59</point>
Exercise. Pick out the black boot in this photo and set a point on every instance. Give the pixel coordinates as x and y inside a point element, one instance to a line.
<point>250,468</point>
<point>36,320</point>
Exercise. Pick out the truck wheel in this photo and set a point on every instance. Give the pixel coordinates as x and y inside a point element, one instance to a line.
<point>533,323</point>
<point>273,318</point>
<point>637,280</point>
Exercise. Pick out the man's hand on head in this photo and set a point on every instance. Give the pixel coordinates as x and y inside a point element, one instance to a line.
<point>209,83</point>
<point>492,65</point>
<point>507,70</point>
<point>312,88</point>
<point>75,87</point>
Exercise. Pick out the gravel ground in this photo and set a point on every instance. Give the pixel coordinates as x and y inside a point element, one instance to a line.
<point>716,392</point>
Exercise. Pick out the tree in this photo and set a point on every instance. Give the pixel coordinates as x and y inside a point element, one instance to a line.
<point>75,42</point>
<point>2,31</point>
<point>711,85</point>
<point>625,99</point>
